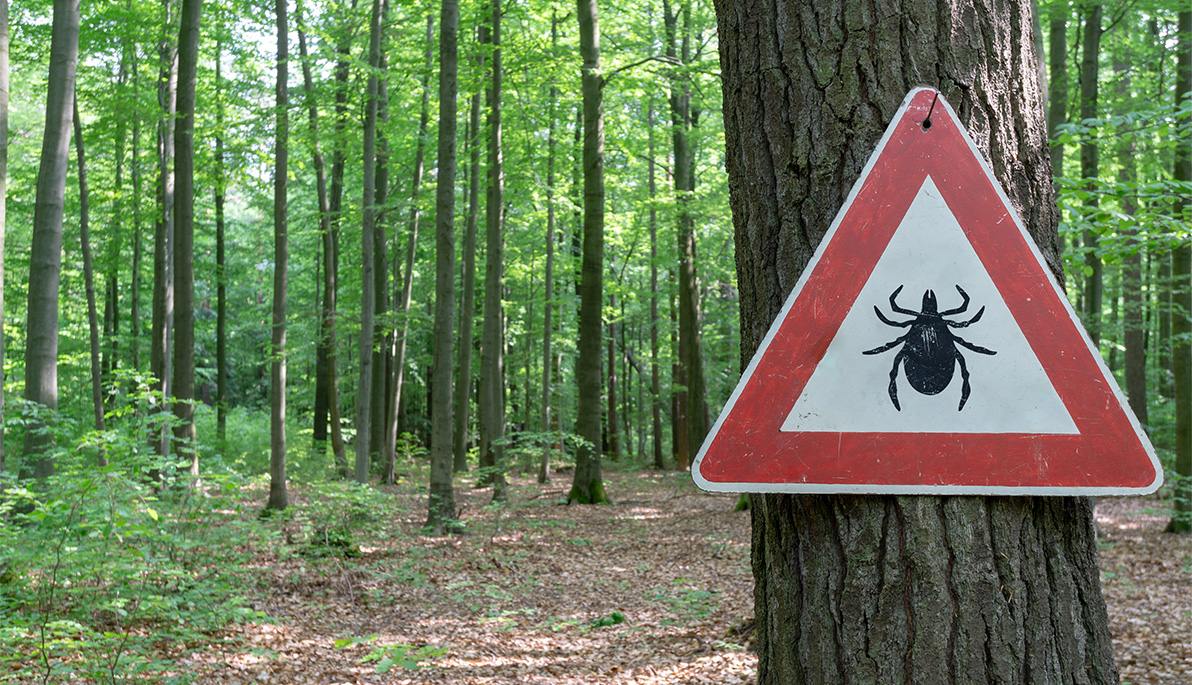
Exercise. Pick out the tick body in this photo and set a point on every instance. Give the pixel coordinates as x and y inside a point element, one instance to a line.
<point>929,352</point>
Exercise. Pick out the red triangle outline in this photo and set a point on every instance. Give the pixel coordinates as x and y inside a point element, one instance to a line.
<point>747,452</point>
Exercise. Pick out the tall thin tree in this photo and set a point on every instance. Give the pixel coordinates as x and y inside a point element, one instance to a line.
<point>491,399</point>
<point>278,496</point>
<point>1181,272</point>
<point>441,496</point>
<point>588,484</point>
<point>4,87</point>
<point>89,277</point>
<point>184,234</point>
<point>161,337</point>
<point>367,248</point>
<point>45,253</point>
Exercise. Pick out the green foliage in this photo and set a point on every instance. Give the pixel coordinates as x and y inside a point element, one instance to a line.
<point>612,619</point>
<point>101,564</point>
<point>385,657</point>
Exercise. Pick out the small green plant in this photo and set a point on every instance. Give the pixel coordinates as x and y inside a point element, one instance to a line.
<point>385,657</point>
<point>612,619</point>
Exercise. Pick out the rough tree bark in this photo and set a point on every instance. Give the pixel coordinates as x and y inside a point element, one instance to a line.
<point>221,285</point>
<point>1134,328</point>
<point>882,588</point>
<point>45,253</point>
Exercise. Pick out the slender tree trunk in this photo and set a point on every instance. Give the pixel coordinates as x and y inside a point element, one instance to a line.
<point>367,248</point>
<point>467,314</point>
<point>184,229</point>
<point>1089,109</point>
<point>680,435</point>
<point>870,588</point>
<point>160,355</point>
<point>134,315</point>
<point>613,448</point>
<point>331,251</point>
<point>407,288</point>
<point>327,384</point>
<point>221,277</point>
<point>89,279</point>
<point>441,499</point>
<point>1057,97</point>
<point>1133,325</point>
<point>655,386</point>
<point>1181,271</point>
<point>382,334</point>
<point>278,497</point>
<point>588,484</point>
<point>4,88</point>
<point>45,253</point>
<point>549,276</point>
<point>491,402</point>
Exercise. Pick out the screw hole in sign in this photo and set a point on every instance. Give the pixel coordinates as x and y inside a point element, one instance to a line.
<point>927,122</point>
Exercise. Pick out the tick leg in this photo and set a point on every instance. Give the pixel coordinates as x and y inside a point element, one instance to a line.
<point>888,346</point>
<point>975,348</point>
<point>964,377</point>
<point>965,324</point>
<point>894,379</point>
<point>962,307</point>
<point>888,322</point>
<point>894,305</point>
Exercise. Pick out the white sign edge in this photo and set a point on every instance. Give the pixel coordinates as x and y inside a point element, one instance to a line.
<point>861,488</point>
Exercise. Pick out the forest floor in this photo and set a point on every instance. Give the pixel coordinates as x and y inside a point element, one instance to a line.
<point>655,588</point>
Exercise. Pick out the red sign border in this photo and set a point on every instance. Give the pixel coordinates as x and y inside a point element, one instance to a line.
<point>747,452</point>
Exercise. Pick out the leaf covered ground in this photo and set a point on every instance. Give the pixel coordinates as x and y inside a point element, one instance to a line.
<point>651,589</point>
<point>655,588</point>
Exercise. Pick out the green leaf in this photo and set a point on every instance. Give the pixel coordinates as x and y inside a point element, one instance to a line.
<point>385,664</point>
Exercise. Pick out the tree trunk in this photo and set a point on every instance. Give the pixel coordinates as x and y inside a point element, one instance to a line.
<point>1057,82</point>
<point>855,588</point>
<point>134,315</point>
<point>682,121</point>
<point>655,388</point>
<point>278,497</point>
<point>1181,272</point>
<point>4,86</point>
<point>588,485</point>
<point>441,500</point>
<point>1133,325</point>
<point>467,313</point>
<point>89,279</point>
<point>329,381</point>
<point>381,333</point>
<point>398,375</point>
<point>160,356</point>
<point>491,399</point>
<point>1089,69</point>
<point>184,231</point>
<point>549,276</point>
<point>45,253</point>
<point>367,247</point>
<point>221,278</point>
<point>610,414</point>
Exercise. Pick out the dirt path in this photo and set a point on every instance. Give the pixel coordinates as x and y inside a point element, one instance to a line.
<point>652,589</point>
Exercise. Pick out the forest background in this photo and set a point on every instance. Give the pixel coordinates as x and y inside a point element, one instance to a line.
<point>254,259</point>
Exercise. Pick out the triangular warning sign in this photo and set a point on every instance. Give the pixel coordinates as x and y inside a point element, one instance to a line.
<point>927,349</point>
